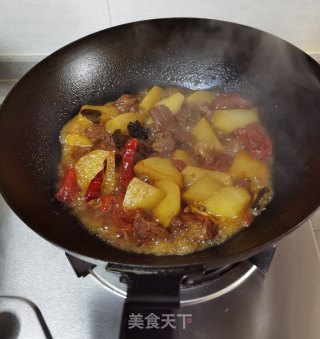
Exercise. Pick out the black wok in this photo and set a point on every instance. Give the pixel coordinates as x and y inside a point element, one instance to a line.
<point>194,53</point>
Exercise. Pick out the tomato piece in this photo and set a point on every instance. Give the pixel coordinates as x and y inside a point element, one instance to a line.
<point>121,218</point>
<point>126,227</point>
<point>107,203</point>
<point>124,219</point>
<point>256,140</point>
<point>125,215</point>
<point>69,187</point>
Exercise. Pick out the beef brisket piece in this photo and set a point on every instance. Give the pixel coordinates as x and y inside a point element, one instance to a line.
<point>145,229</point>
<point>164,142</point>
<point>163,119</point>
<point>195,227</point>
<point>127,103</point>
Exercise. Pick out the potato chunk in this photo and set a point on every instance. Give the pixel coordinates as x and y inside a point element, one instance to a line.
<point>88,166</point>
<point>203,131</point>
<point>228,202</point>
<point>169,206</point>
<point>151,98</point>
<point>156,168</point>
<point>110,178</point>
<point>180,154</point>
<point>223,177</point>
<point>142,195</point>
<point>121,122</point>
<point>78,140</point>
<point>191,174</point>
<point>173,102</point>
<point>227,120</point>
<point>199,97</point>
<point>244,166</point>
<point>202,189</point>
<point>76,125</point>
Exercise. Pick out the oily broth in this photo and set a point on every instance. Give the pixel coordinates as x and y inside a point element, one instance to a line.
<point>100,222</point>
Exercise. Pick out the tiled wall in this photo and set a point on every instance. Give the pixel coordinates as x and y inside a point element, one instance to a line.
<point>40,27</point>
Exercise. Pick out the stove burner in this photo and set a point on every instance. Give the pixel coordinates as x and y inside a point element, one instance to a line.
<point>195,287</point>
<point>189,295</point>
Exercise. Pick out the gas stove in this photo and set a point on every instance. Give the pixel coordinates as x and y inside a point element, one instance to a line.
<point>41,296</point>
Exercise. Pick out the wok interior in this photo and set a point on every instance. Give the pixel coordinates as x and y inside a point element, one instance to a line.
<point>192,53</point>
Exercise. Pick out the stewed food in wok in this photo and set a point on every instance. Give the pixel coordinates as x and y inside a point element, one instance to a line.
<point>166,171</point>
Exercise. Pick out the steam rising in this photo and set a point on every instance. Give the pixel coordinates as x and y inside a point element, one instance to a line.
<point>281,80</point>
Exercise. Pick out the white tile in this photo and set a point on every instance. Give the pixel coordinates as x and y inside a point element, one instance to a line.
<point>41,27</point>
<point>296,21</point>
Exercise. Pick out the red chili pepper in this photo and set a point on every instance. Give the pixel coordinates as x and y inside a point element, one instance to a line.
<point>68,188</point>
<point>94,189</point>
<point>126,172</point>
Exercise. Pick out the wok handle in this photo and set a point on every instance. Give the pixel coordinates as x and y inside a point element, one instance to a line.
<point>152,298</point>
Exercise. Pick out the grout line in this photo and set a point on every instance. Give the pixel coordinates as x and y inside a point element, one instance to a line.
<point>109,13</point>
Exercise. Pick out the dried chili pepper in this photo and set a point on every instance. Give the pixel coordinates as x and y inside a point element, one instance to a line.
<point>94,189</point>
<point>68,188</point>
<point>128,158</point>
<point>136,130</point>
<point>92,115</point>
<point>119,139</point>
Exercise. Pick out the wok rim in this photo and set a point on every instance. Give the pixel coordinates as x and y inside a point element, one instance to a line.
<point>225,260</point>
